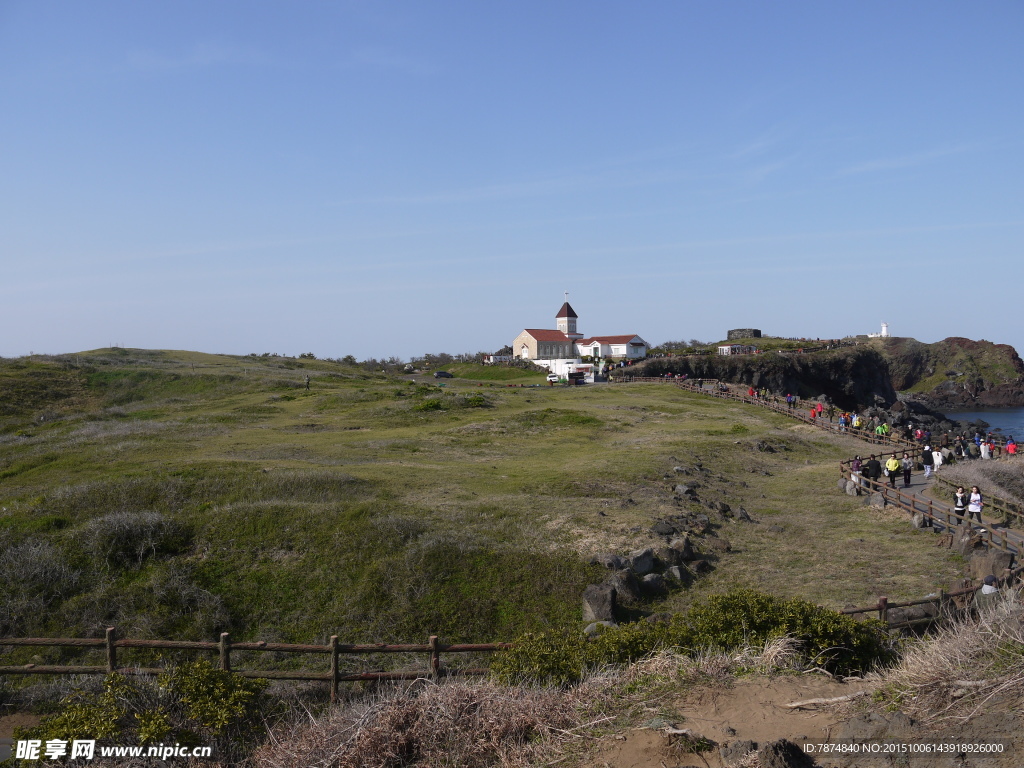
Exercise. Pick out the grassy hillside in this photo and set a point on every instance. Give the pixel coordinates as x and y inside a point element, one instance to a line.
<point>954,362</point>
<point>496,373</point>
<point>181,494</point>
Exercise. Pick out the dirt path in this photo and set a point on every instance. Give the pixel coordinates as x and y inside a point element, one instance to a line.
<point>751,709</point>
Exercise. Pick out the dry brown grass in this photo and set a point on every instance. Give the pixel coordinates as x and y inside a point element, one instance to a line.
<point>480,724</point>
<point>457,724</point>
<point>964,668</point>
<point>1002,478</point>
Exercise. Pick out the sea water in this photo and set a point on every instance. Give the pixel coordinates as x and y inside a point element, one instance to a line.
<point>1009,420</point>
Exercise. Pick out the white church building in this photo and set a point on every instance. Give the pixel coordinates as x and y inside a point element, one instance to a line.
<point>562,347</point>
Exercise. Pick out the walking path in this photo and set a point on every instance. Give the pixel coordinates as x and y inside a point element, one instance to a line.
<point>940,513</point>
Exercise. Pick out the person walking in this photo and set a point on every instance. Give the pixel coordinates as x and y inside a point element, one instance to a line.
<point>892,468</point>
<point>928,461</point>
<point>960,501</point>
<point>974,505</point>
<point>855,469</point>
<point>1011,446</point>
<point>937,458</point>
<point>986,450</point>
<point>872,469</point>
<point>907,465</point>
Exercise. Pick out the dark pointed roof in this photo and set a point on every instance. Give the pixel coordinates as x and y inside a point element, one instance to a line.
<point>566,311</point>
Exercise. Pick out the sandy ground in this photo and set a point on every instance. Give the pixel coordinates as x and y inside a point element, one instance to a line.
<point>9,722</point>
<point>753,708</point>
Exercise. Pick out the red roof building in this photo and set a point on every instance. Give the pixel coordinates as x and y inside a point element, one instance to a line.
<point>566,343</point>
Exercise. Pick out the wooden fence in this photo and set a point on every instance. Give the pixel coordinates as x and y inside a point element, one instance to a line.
<point>945,603</point>
<point>1006,540</point>
<point>1010,510</point>
<point>224,647</point>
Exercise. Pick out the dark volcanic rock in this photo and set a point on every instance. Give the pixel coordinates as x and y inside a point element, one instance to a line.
<point>608,560</point>
<point>849,377</point>
<point>642,561</point>
<point>627,586</point>
<point>599,603</point>
<point>783,754</point>
<point>653,584</point>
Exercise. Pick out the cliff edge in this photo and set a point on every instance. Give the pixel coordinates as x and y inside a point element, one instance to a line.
<point>955,372</point>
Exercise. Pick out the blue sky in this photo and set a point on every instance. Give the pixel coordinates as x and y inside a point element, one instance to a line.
<point>394,178</point>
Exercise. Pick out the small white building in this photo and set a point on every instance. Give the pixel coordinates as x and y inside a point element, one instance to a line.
<point>737,349</point>
<point>492,359</point>
<point>630,347</point>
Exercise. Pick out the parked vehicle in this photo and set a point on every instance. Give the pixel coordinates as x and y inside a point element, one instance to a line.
<point>553,378</point>
<point>443,375</point>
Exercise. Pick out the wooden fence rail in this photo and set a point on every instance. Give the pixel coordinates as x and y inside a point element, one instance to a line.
<point>224,647</point>
<point>941,601</point>
<point>1011,510</point>
<point>1007,540</point>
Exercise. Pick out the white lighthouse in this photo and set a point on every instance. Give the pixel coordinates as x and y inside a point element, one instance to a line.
<point>883,335</point>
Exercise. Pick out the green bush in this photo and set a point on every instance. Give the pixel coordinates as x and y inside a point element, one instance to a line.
<point>126,539</point>
<point>34,577</point>
<point>193,704</point>
<point>722,623</point>
<point>430,404</point>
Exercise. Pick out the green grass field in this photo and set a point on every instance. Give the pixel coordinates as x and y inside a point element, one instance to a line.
<point>177,494</point>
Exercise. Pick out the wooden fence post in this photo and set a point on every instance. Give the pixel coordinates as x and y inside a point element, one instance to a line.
<point>334,668</point>
<point>435,658</point>
<point>883,609</point>
<point>225,652</point>
<point>111,637</point>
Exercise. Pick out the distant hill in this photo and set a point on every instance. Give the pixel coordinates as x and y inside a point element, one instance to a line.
<point>956,372</point>
<point>953,373</point>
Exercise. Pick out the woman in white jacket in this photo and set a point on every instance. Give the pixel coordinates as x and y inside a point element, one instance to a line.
<point>937,458</point>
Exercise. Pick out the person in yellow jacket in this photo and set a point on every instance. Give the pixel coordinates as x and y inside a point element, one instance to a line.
<point>892,468</point>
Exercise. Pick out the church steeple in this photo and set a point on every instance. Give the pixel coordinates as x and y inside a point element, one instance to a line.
<point>566,319</point>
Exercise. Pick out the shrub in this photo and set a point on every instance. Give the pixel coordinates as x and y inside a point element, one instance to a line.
<point>430,404</point>
<point>34,575</point>
<point>724,622</point>
<point>125,539</point>
<point>192,704</point>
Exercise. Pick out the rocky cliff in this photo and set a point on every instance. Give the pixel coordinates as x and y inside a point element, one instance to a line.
<point>852,377</point>
<point>956,372</point>
<point>953,373</point>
